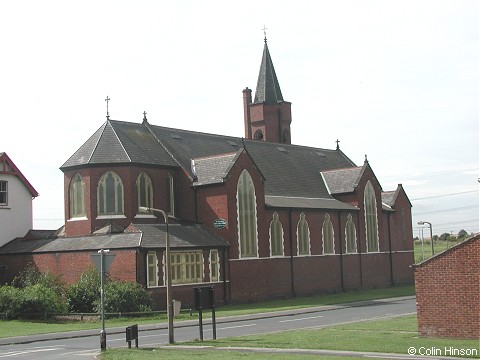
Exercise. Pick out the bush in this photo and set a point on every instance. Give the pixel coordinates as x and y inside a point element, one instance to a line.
<point>125,296</point>
<point>32,276</point>
<point>83,296</point>
<point>40,299</point>
<point>10,301</point>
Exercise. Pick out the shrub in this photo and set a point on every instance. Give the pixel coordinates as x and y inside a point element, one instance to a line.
<point>125,296</point>
<point>82,296</point>
<point>38,300</point>
<point>10,301</point>
<point>32,276</point>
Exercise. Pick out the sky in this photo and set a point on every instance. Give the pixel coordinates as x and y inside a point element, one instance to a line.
<point>396,81</point>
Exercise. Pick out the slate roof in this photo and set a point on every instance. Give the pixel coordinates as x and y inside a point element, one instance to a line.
<point>289,170</point>
<point>136,236</point>
<point>342,181</point>
<point>80,243</point>
<point>268,90</point>
<point>213,169</point>
<point>181,236</point>
<point>389,197</point>
<point>117,142</point>
<point>306,203</point>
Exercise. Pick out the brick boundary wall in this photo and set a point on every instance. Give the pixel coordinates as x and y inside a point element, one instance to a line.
<point>448,292</point>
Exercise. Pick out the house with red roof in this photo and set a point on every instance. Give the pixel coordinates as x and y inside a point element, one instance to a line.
<point>16,196</point>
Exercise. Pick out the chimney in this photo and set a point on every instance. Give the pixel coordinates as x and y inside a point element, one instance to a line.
<point>247,100</point>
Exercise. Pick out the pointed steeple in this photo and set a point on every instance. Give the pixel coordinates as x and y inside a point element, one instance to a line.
<point>268,117</point>
<point>268,90</point>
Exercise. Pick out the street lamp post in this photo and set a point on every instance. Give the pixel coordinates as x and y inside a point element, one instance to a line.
<point>168,271</point>
<point>431,233</point>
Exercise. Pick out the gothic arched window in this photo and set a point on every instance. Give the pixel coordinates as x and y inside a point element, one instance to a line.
<point>276,236</point>
<point>303,236</point>
<point>110,194</point>
<point>77,197</point>
<point>327,234</point>
<point>247,216</point>
<point>371,221</point>
<point>258,135</point>
<point>350,235</point>
<point>144,191</point>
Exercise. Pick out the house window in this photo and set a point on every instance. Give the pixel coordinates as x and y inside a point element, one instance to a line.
<point>371,223</point>
<point>3,193</point>
<point>187,267</point>
<point>144,191</point>
<point>171,196</point>
<point>214,266</point>
<point>276,236</point>
<point>247,216</point>
<point>110,195</point>
<point>351,235</point>
<point>77,197</point>
<point>152,269</point>
<point>327,234</point>
<point>303,236</point>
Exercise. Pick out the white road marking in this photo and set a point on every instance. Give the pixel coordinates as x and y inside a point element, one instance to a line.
<point>306,318</point>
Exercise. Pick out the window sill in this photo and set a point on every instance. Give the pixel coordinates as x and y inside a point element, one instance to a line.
<point>145,216</point>
<point>5,207</point>
<point>78,219</point>
<point>106,217</point>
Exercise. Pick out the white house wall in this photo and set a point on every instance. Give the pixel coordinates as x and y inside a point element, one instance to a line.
<point>15,218</point>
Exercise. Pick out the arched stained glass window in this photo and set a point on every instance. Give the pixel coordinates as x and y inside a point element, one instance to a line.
<point>276,236</point>
<point>303,236</point>
<point>144,191</point>
<point>247,216</point>
<point>110,194</point>
<point>77,197</point>
<point>327,235</point>
<point>371,221</point>
<point>351,235</point>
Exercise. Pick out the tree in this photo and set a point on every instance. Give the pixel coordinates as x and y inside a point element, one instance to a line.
<point>462,234</point>
<point>444,236</point>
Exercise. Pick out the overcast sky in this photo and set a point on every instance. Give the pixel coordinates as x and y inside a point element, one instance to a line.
<point>397,81</point>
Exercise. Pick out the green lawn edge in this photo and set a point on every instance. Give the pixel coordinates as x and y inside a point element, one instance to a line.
<point>15,328</point>
<point>391,335</point>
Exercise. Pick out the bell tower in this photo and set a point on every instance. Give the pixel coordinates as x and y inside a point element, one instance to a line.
<point>268,117</point>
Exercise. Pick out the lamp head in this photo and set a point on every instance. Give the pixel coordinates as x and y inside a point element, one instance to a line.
<point>421,223</point>
<point>144,209</point>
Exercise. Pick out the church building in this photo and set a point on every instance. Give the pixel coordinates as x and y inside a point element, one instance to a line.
<point>256,217</point>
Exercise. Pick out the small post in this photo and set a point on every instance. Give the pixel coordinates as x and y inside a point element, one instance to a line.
<point>214,323</point>
<point>200,323</point>
<point>103,334</point>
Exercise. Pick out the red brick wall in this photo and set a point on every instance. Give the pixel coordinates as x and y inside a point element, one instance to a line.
<point>272,119</point>
<point>129,175</point>
<point>448,292</point>
<point>70,265</point>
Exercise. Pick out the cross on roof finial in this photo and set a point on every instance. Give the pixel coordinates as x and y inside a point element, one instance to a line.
<point>107,100</point>
<point>338,146</point>
<point>265,33</point>
<point>144,116</point>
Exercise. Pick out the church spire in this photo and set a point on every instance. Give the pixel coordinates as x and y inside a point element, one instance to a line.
<point>268,90</point>
<point>268,117</point>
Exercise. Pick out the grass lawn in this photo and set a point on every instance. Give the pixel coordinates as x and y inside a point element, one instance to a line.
<point>11,328</point>
<point>427,249</point>
<point>394,335</point>
<point>172,354</point>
